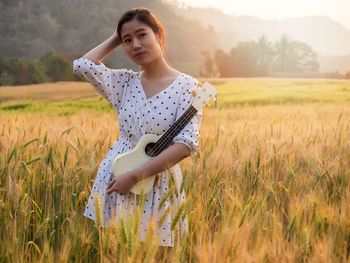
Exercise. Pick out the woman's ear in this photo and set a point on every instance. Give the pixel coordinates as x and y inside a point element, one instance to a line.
<point>159,39</point>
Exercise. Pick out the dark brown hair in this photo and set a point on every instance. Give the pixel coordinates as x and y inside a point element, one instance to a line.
<point>146,16</point>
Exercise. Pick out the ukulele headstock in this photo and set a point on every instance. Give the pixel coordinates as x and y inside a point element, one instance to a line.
<point>204,95</point>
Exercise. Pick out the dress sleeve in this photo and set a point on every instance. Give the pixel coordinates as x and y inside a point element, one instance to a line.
<point>108,82</point>
<point>190,133</point>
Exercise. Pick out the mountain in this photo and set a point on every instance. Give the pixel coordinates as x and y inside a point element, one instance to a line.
<point>29,29</point>
<point>327,37</point>
<point>323,34</point>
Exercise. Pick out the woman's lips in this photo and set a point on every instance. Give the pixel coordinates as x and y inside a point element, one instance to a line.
<point>139,55</point>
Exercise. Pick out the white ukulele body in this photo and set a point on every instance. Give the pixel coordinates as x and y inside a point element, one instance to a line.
<point>135,158</point>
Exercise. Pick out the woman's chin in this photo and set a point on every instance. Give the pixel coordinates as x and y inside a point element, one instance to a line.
<point>140,61</point>
<point>145,62</point>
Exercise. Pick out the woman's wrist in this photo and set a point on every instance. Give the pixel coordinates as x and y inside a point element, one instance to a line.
<point>139,174</point>
<point>115,40</point>
<point>98,53</point>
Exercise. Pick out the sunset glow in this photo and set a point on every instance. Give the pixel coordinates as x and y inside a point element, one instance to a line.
<point>337,10</point>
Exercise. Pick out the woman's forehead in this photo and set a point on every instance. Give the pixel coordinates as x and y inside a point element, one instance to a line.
<point>132,27</point>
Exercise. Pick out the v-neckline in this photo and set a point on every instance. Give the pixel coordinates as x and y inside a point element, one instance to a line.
<point>144,93</point>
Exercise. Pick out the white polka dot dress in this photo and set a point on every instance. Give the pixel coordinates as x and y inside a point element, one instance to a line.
<point>137,116</point>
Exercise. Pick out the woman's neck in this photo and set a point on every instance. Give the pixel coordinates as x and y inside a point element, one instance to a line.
<point>156,69</point>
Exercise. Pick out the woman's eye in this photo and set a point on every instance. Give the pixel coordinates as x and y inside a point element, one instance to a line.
<point>126,40</point>
<point>142,34</point>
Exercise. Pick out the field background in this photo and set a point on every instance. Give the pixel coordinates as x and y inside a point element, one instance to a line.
<point>270,183</point>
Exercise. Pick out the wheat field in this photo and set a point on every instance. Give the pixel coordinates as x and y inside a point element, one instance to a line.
<point>270,182</point>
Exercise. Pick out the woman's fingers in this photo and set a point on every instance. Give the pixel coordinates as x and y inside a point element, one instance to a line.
<point>110,185</point>
<point>110,190</point>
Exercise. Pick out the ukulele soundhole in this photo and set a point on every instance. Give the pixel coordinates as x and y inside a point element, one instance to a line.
<point>150,149</point>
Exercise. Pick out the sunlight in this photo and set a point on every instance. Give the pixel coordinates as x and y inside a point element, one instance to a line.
<point>338,10</point>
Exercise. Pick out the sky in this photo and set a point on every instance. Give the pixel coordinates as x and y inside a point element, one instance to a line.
<point>338,10</point>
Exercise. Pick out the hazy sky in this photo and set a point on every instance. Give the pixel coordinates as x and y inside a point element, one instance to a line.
<point>338,10</point>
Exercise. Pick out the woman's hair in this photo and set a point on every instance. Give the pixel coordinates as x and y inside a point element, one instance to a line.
<point>146,16</point>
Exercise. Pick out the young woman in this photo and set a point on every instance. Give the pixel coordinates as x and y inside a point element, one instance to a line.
<point>149,101</point>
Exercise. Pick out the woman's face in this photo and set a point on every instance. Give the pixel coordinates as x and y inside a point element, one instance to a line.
<point>139,38</point>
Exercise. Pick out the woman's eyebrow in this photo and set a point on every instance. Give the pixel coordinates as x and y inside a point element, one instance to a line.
<point>140,29</point>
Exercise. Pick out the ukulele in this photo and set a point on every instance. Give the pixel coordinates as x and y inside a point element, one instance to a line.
<point>150,145</point>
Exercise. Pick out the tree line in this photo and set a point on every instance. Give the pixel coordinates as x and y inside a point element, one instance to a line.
<point>262,58</point>
<point>50,67</point>
<point>245,60</point>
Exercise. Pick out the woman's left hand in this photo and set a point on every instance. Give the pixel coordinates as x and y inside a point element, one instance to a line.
<point>122,183</point>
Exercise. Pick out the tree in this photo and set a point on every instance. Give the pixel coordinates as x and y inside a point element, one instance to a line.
<point>3,65</point>
<point>306,58</point>
<point>223,63</point>
<point>5,77</point>
<point>56,67</point>
<point>286,57</point>
<point>243,59</point>
<point>26,72</point>
<point>347,75</point>
<point>264,55</point>
<point>208,67</point>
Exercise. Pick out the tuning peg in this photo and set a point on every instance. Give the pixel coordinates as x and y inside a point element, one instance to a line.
<point>199,84</point>
<point>193,92</point>
<point>208,105</point>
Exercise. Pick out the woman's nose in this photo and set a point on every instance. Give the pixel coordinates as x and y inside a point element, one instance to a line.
<point>137,44</point>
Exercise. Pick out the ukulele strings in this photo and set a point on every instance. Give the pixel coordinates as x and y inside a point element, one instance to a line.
<point>174,132</point>
<point>183,121</point>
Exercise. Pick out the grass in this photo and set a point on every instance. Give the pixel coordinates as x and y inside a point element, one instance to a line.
<point>69,107</point>
<point>270,183</point>
<point>283,91</point>
<point>65,98</point>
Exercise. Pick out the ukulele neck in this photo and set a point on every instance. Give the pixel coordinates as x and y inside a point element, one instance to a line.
<point>166,139</point>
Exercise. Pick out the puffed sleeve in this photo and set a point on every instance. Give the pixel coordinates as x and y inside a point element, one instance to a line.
<point>190,133</point>
<point>108,82</point>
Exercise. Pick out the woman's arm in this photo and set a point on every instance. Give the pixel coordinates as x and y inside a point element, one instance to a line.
<point>97,54</point>
<point>166,159</point>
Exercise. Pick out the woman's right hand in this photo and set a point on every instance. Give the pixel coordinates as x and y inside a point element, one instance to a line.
<point>117,38</point>
<point>97,54</point>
